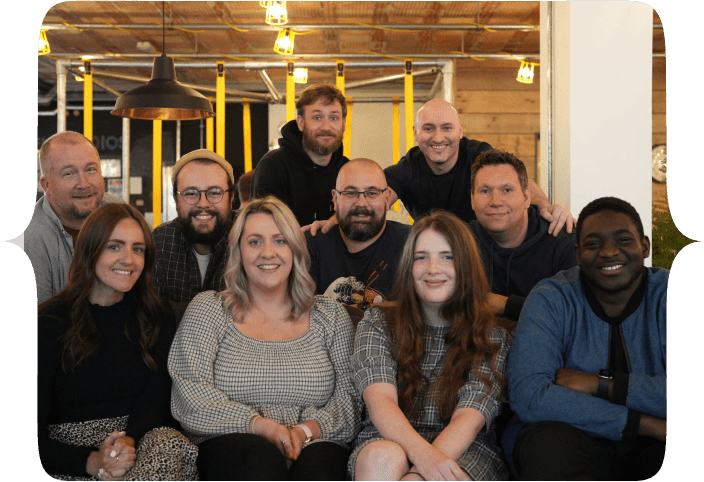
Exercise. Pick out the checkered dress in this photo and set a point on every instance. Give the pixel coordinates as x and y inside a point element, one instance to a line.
<point>373,362</point>
<point>221,377</point>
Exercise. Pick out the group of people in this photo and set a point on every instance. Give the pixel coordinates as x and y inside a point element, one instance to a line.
<point>307,336</point>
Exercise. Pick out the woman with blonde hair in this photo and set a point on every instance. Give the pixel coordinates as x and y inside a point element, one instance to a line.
<point>430,369</point>
<point>261,370</point>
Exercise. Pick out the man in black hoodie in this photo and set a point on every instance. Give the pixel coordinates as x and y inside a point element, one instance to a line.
<point>517,250</point>
<point>303,170</point>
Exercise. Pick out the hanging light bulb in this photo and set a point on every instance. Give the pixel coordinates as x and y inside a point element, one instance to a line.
<point>284,42</point>
<point>276,13</point>
<point>43,43</point>
<point>79,78</point>
<point>163,98</point>
<point>300,75</point>
<point>526,72</point>
<point>265,4</point>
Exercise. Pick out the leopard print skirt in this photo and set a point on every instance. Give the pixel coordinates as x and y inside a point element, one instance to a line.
<point>162,454</point>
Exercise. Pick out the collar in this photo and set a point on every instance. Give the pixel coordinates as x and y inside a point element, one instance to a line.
<point>628,310</point>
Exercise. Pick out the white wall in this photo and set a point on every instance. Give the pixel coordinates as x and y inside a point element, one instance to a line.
<point>602,103</point>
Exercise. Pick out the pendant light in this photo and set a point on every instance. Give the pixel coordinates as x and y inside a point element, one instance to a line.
<point>163,98</point>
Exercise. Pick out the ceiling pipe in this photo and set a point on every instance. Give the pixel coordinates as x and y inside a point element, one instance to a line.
<point>271,28</point>
<point>48,97</point>
<point>251,65</point>
<point>299,58</point>
<point>269,85</point>
<point>389,78</point>
<point>100,84</point>
<point>434,88</point>
<point>139,79</point>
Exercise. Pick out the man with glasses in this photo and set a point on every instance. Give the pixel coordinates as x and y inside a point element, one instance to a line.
<point>191,250</point>
<point>355,262</point>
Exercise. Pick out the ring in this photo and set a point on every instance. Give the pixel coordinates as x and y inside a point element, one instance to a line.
<point>284,442</point>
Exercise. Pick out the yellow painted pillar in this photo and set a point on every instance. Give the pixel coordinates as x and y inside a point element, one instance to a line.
<point>247,134</point>
<point>408,100</point>
<point>347,136</point>
<point>220,115</point>
<point>88,101</point>
<point>340,77</point>
<point>156,173</point>
<point>396,151</point>
<point>290,94</point>
<point>210,132</point>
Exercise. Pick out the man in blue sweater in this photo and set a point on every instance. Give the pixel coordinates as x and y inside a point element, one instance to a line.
<point>587,369</point>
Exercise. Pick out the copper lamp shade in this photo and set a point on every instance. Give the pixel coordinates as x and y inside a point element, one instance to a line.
<point>163,98</point>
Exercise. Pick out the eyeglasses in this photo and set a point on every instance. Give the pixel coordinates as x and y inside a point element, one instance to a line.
<point>370,195</point>
<point>212,194</point>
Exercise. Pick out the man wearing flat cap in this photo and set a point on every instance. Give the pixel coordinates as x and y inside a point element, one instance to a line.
<point>191,250</point>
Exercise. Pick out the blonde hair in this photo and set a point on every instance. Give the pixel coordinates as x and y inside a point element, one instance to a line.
<point>301,287</point>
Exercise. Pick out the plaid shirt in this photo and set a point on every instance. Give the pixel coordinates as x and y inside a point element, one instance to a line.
<point>177,277</point>
<point>373,362</point>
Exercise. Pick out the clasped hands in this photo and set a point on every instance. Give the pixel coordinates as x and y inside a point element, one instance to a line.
<point>288,440</point>
<point>433,464</point>
<point>114,458</point>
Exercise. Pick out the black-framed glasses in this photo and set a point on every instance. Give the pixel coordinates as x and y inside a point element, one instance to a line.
<point>370,195</point>
<point>212,194</point>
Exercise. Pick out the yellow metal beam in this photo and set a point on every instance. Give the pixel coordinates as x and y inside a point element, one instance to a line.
<point>156,173</point>
<point>396,151</point>
<point>247,134</point>
<point>290,94</point>
<point>340,77</point>
<point>347,136</point>
<point>210,132</point>
<point>220,113</point>
<point>88,101</point>
<point>408,100</point>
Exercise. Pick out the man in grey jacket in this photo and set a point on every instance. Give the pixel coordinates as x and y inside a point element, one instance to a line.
<point>73,187</point>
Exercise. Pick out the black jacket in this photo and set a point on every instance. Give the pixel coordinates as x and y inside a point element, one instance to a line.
<point>289,174</point>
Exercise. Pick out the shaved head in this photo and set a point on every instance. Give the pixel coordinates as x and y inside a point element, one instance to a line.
<point>434,106</point>
<point>359,165</point>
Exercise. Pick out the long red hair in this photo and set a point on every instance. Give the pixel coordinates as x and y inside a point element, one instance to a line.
<point>471,320</point>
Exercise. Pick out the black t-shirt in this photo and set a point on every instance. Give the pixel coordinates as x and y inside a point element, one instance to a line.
<point>420,190</point>
<point>351,278</point>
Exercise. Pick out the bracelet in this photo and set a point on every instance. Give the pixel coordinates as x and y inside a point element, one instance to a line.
<point>252,421</point>
<point>306,431</point>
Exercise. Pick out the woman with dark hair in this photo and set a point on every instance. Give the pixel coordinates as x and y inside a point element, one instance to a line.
<point>103,346</point>
<point>261,370</point>
<point>431,369</point>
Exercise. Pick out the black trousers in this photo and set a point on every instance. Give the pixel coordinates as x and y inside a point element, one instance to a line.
<point>559,451</point>
<point>243,456</point>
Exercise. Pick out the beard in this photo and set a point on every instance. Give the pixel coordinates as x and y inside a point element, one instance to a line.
<point>193,236</point>
<point>309,142</point>
<point>362,231</point>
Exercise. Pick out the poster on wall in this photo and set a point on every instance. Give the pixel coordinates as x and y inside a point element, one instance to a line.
<point>111,168</point>
<point>115,187</point>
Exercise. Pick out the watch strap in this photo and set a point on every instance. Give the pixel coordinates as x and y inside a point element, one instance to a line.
<point>307,431</point>
<point>602,390</point>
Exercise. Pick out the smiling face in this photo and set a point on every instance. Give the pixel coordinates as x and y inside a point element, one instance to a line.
<point>73,182</point>
<point>438,132</point>
<point>120,264</point>
<point>205,222</point>
<point>611,253</point>
<point>500,204</point>
<point>433,269</point>
<point>322,126</point>
<point>361,219</point>
<point>267,258</point>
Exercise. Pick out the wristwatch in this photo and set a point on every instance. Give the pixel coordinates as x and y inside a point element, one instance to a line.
<point>605,377</point>
<point>307,431</point>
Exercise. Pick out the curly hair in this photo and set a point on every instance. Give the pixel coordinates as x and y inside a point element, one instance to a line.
<point>301,287</point>
<point>471,320</point>
<point>82,339</point>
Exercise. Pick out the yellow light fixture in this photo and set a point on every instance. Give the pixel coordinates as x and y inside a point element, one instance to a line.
<point>43,43</point>
<point>78,78</point>
<point>526,72</point>
<point>300,75</point>
<point>284,41</point>
<point>276,13</point>
<point>265,4</point>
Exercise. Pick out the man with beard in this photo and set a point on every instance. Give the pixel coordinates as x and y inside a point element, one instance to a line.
<point>191,250</point>
<point>303,169</point>
<point>355,262</point>
<point>587,368</point>
<point>73,187</point>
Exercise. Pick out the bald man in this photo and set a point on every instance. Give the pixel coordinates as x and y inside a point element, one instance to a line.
<point>355,262</point>
<point>73,187</point>
<point>437,173</point>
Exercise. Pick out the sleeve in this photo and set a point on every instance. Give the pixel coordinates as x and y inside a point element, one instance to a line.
<point>648,394</point>
<point>270,179</point>
<point>476,394</point>
<point>397,176</point>
<point>159,269</point>
<point>314,253</point>
<point>38,255</point>
<point>535,356</point>
<point>514,305</point>
<point>339,418</point>
<point>372,361</point>
<point>567,257</point>
<point>201,408</point>
<point>151,408</point>
<point>56,457</point>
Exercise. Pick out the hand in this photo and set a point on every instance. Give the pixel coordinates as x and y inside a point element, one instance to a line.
<point>558,217</point>
<point>412,474</point>
<point>323,226</point>
<point>652,427</point>
<point>578,381</point>
<point>435,465</point>
<point>277,434</point>
<point>115,459</point>
<point>497,303</point>
<point>298,436</point>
